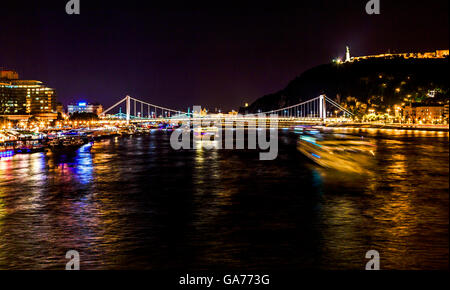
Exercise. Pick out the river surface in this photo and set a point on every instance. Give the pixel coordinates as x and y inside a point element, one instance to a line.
<point>135,203</point>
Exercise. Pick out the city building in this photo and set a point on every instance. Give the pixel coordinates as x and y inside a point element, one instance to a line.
<point>424,114</point>
<point>84,107</point>
<point>446,113</point>
<point>20,99</point>
<point>59,108</point>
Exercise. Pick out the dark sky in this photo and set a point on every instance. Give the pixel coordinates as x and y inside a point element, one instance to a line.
<point>214,54</point>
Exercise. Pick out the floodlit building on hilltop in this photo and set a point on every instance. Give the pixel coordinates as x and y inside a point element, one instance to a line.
<point>407,55</point>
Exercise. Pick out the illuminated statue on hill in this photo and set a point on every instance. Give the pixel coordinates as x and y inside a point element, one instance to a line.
<point>347,54</point>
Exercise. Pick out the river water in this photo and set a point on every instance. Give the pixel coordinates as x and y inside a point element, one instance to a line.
<point>134,203</point>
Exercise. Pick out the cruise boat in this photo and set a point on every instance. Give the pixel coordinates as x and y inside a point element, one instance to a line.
<point>337,151</point>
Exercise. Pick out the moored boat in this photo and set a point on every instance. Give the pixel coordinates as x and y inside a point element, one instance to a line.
<point>67,143</point>
<point>29,146</point>
<point>7,149</point>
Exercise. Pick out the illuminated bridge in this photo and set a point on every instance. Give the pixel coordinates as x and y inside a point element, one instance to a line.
<point>317,110</point>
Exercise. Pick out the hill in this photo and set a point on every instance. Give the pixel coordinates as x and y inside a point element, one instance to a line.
<point>364,84</point>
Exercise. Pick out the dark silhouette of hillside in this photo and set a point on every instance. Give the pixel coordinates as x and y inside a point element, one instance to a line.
<point>364,84</point>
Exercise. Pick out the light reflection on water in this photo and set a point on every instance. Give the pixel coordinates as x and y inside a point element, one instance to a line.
<point>136,203</point>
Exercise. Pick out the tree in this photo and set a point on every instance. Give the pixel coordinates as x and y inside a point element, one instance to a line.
<point>32,119</point>
<point>83,117</point>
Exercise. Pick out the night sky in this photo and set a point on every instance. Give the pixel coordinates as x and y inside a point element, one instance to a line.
<point>187,53</point>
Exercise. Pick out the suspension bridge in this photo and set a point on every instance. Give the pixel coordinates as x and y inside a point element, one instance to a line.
<point>320,109</point>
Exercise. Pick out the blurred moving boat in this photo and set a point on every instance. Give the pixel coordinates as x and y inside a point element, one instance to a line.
<point>208,132</point>
<point>337,151</point>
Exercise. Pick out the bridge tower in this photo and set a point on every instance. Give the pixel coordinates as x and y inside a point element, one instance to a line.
<point>322,108</point>
<point>128,109</point>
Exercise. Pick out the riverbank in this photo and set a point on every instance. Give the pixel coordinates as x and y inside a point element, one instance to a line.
<point>437,128</point>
